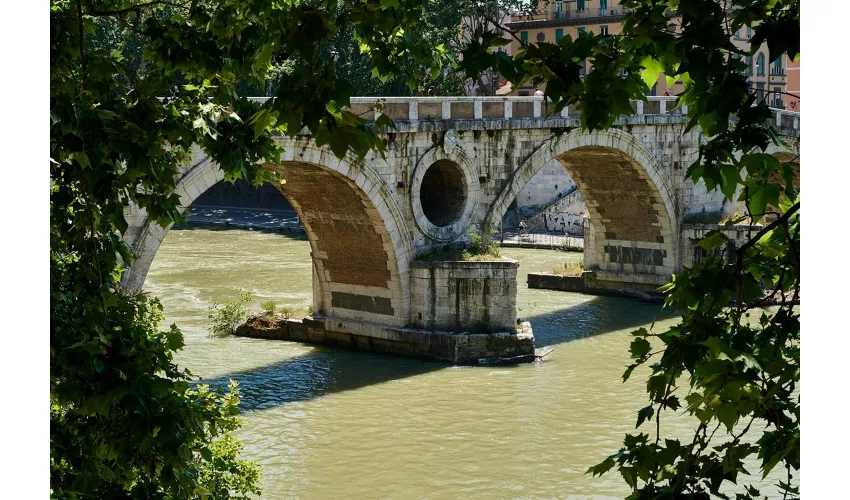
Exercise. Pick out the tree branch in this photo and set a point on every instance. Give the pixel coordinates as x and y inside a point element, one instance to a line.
<point>82,41</point>
<point>781,220</point>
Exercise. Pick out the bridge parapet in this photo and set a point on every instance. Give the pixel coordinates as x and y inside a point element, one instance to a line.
<point>423,114</point>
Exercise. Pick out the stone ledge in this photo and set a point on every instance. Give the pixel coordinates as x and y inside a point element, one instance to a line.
<point>455,347</point>
<point>452,264</point>
<point>589,285</point>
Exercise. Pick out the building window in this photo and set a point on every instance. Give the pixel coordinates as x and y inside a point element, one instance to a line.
<point>581,30</point>
<point>759,91</point>
<point>559,9</point>
<point>579,5</point>
<point>603,7</point>
<point>749,65</point>
<point>777,98</point>
<point>523,35</point>
<point>603,30</point>
<point>559,33</point>
<point>777,66</point>
<point>749,32</point>
<point>760,64</point>
<point>541,37</point>
<point>582,71</point>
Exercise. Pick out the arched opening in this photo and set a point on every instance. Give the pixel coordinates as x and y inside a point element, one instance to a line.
<point>630,235</point>
<point>241,204</point>
<point>356,272</point>
<point>443,193</point>
<point>352,251</point>
<point>549,204</point>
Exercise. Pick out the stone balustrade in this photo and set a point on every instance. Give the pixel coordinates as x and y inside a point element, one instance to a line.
<point>413,110</point>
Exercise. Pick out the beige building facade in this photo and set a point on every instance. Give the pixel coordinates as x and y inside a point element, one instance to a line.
<point>558,18</point>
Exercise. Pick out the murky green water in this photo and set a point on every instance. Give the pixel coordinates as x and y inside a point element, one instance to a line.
<point>328,423</point>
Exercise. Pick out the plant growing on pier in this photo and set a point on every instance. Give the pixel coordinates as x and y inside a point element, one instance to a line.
<point>574,268</point>
<point>268,308</point>
<point>224,320</point>
<point>483,240</point>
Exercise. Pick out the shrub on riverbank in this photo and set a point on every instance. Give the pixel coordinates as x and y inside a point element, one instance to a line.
<point>227,318</point>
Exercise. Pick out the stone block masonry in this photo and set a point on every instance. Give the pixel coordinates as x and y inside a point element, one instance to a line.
<point>464,296</point>
<point>368,218</point>
<point>454,347</point>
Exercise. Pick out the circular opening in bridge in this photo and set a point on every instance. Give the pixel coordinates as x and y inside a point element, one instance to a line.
<point>443,193</point>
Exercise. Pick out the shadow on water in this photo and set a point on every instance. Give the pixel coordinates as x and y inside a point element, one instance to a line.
<point>594,317</point>
<point>328,370</point>
<point>325,370</point>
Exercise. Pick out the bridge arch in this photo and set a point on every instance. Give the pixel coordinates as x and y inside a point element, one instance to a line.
<point>360,245</point>
<point>631,202</point>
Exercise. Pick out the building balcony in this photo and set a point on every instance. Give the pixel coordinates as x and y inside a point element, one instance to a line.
<point>589,13</point>
<point>585,16</point>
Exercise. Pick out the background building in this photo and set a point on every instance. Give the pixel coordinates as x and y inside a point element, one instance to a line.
<point>556,19</point>
<point>793,87</point>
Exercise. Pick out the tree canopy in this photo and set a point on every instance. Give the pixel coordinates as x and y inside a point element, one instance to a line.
<point>125,421</point>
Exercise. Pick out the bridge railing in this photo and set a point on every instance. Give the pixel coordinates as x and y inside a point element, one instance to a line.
<point>492,108</point>
<point>413,109</point>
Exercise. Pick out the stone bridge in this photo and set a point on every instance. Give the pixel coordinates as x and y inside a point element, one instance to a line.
<point>453,163</point>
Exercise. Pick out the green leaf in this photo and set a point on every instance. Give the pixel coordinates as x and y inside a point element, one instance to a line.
<point>731,179</point>
<point>645,413</point>
<point>81,157</point>
<point>639,347</point>
<point>601,468</point>
<point>628,372</point>
<point>651,69</point>
<point>760,197</point>
<point>727,414</point>
<point>261,121</point>
<point>713,240</point>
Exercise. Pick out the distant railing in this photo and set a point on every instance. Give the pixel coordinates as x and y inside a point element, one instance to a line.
<point>416,109</point>
<point>589,12</point>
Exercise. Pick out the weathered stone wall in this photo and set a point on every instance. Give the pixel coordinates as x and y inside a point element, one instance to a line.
<point>544,187</point>
<point>693,233</point>
<point>454,347</point>
<point>464,296</point>
<point>366,217</point>
<point>631,178</point>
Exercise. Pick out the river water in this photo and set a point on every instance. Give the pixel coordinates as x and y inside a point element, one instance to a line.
<point>329,423</point>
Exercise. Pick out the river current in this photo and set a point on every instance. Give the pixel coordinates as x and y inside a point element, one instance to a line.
<point>329,423</point>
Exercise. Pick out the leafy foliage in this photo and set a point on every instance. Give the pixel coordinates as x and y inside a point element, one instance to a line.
<point>124,420</point>
<point>730,364</point>
<point>437,27</point>
<point>135,85</point>
<point>224,320</point>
